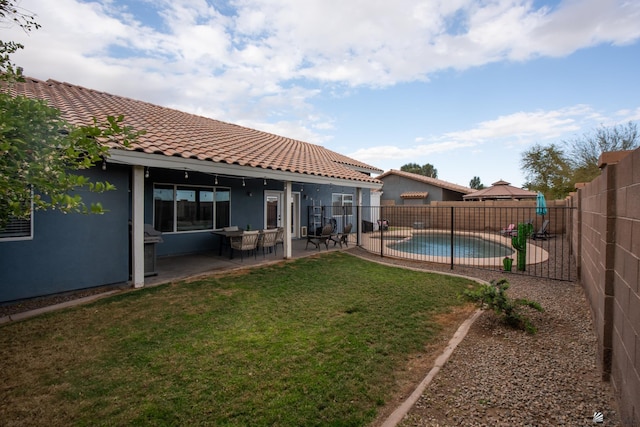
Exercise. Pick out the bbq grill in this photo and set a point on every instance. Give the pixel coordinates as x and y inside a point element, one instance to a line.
<point>151,238</point>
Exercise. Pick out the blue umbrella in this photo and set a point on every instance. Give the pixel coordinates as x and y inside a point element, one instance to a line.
<point>541,204</point>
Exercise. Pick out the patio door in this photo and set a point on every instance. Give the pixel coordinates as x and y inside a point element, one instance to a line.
<point>273,205</point>
<point>273,209</point>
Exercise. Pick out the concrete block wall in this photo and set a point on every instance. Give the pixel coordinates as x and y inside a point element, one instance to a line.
<point>606,240</point>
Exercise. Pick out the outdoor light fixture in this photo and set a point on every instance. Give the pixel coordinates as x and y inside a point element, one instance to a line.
<point>243,184</point>
<point>216,181</point>
<point>104,165</point>
<point>146,173</point>
<point>186,175</point>
<point>264,182</point>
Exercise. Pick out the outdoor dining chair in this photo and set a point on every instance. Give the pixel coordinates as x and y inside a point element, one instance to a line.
<point>246,241</point>
<point>344,236</point>
<point>267,239</point>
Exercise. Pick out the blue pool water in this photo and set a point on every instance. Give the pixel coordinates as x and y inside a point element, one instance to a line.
<point>439,244</point>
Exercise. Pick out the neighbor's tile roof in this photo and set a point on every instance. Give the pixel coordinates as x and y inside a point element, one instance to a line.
<point>501,190</point>
<point>414,195</point>
<point>174,133</point>
<point>427,180</point>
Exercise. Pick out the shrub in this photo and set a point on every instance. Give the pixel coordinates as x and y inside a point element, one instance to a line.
<point>493,296</point>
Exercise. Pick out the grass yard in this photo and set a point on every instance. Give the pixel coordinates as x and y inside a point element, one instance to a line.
<point>316,341</point>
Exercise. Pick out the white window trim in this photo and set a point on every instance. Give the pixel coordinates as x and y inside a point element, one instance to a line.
<point>175,202</point>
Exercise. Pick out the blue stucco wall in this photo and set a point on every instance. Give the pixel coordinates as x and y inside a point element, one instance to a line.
<point>73,251</point>
<point>245,209</point>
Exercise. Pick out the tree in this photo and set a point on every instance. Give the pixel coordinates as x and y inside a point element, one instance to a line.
<point>476,184</point>
<point>584,152</point>
<point>9,12</point>
<point>426,170</point>
<point>548,170</point>
<point>554,171</point>
<point>40,155</point>
<point>39,152</point>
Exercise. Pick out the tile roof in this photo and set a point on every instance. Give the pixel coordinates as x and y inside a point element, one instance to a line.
<point>171,132</point>
<point>414,195</point>
<point>427,180</point>
<point>501,190</point>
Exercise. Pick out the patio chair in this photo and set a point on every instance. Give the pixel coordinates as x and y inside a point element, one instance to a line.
<point>383,224</point>
<point>543,233</point>
<point>279,239</point>
<point>324,237</point>
<point>344,236</point>
<point>247,241</point>
<point>510,231</point>
<point>267,239</point>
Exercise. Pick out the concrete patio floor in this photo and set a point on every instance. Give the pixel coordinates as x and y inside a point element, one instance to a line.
<point>174,268</point>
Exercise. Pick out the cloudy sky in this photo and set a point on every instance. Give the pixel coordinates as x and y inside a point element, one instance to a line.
<point>466,85</point>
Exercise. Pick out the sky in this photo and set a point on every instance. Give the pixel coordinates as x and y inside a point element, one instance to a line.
<point>465,85</point>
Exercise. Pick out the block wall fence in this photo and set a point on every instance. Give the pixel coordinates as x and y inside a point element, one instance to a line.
<point>606,241</point>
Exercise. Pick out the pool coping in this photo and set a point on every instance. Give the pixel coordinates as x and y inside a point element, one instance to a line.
<point>535,254</point>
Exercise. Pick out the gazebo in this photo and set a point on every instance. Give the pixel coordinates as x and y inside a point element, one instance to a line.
<point>501,190</point>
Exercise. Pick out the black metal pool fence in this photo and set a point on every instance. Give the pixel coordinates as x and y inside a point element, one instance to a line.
<point>517,239</point>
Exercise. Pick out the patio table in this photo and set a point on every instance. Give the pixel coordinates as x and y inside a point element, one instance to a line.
<point>225,238</point>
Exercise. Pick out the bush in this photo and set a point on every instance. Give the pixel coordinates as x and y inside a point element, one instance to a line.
<point>493,296</point>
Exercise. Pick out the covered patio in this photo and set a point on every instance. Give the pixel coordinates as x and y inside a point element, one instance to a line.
<point>180,267</point>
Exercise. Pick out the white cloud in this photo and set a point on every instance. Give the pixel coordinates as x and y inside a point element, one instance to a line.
<point>264,62</point>
<point>519,129</point>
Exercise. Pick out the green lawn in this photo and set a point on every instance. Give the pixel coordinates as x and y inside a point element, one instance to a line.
<point>316,341</point>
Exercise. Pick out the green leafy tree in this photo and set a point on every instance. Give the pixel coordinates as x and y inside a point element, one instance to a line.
<point>476,184</point>
<point>555,170</point>
<point>11,14</point>
<point>425,170</point>
<point>548,170</point>
<point>584,152</point>
<point>40,153</point>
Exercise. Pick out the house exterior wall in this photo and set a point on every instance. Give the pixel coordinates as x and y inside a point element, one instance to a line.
<point>245,209</point>
<point>395,185</point>
<point>321,195</point>
<point>607,241</point>
<point>72,251</point>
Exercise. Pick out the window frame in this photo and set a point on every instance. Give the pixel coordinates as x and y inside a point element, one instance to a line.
<point>4,235</point>
<point>175,188</point>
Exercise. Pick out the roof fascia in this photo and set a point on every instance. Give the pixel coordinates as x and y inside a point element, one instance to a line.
<point>137,158</point>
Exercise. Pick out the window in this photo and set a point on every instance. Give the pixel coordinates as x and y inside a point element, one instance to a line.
<point>17,229</point>
<point>342,204</point>
<point>188,208</point>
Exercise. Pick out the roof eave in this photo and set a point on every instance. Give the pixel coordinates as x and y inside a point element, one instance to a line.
<point>137,158</point>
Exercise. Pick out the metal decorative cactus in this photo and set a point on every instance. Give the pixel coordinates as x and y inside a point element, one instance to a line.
<point>519,243</point>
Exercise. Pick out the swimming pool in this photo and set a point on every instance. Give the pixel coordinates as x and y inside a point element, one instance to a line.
<point>439,245</point>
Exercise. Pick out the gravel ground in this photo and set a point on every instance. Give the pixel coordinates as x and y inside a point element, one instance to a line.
<point>499,376</point>
<point>503,377</point>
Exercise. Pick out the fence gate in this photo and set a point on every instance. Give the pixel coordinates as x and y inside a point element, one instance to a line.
<point>495,238</point>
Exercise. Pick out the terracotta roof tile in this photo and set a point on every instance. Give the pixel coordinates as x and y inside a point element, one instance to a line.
<point>415,195</point>
<point>501,190</point>
<point>175,133</point>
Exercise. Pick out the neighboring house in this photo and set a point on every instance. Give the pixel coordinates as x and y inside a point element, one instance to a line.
<point>501,190</point>
<point>186,176</point>
<point>410,189</point>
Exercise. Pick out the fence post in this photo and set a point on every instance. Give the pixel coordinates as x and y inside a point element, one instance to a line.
<point>452,227</point>
<point>380,226</point>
